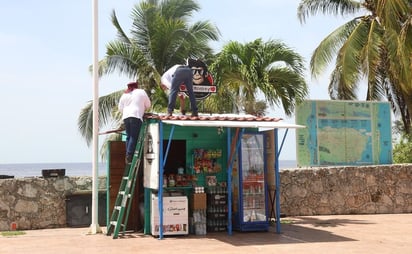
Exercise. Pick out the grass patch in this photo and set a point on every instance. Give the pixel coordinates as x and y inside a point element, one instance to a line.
<point>12,233</point>
<point>282,221</point>
<point>286,221</point>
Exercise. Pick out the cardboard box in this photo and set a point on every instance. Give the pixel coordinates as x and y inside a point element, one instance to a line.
<point>198,201</point>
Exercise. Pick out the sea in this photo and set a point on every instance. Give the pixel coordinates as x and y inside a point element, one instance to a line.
<point>21,170</point>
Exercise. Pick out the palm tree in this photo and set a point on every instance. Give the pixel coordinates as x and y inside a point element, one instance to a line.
<point>160,37</point>
<point>245,71</point>
<point>374,46</point>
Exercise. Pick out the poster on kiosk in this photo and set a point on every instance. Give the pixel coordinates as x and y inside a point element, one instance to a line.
<point>249,185</point>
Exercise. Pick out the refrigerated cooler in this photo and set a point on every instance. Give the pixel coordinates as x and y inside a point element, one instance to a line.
<point>175,215</point>
<point>249,187</point>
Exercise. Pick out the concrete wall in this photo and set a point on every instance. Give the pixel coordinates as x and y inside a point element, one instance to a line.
<point>35,203</point>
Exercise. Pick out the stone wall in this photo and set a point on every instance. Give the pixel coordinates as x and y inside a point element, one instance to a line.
<point>347,190</point>
<point>35,202</point>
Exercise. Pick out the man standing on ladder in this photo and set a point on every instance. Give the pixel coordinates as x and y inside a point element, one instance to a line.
<point>133,103</point>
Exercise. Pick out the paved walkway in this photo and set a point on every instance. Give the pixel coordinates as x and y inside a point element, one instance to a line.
<point>318,234</point>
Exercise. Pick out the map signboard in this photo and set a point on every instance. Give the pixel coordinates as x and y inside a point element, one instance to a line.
<point>343,133</point>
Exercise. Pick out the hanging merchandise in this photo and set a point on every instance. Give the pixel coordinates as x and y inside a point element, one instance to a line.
<point>206,161</point>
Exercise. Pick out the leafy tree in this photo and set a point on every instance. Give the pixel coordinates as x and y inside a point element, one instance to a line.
<point>375,45</point>
<point>402,144</point>
<point>244,71</point>
<point>402,150</point>
<point>160,36</point>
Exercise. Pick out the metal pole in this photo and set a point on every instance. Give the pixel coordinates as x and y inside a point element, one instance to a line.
<point>94,227</point>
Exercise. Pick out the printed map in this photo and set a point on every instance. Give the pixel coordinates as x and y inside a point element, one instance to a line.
<point>343,133</point>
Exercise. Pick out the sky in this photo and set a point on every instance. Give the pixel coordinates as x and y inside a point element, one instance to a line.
<point>46,49</point>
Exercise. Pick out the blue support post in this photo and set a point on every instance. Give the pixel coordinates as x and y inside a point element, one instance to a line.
<point>229,186</point>
<point>277,176</point>
<point>162,161</point>
<point>160,187</point>
<point>277,182</point>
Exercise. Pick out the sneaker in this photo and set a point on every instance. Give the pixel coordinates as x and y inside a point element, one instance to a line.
<point>169,113</point>
<point>183,112</point>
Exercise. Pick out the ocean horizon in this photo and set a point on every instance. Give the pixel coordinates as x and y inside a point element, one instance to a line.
<point>19,170</point>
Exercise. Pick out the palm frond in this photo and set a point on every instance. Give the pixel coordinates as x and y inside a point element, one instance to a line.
<point>393,13</point>
<point>121,35</point>
<point>327,7</point>
<point>125,58</point>
<point>328,47</point>
<point>85,120</point>
<point>374,65</point>
<point>285,87</point>
<point>349,56</point>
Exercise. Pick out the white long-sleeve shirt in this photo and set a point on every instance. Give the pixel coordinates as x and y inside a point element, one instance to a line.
<point>134,104</point>
<point>167,77</point>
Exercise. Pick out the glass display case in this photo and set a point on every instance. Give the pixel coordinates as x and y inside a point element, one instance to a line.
<point>249,185</point>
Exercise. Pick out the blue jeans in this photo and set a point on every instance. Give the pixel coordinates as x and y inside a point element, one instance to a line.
<point>132,126</point>
<point>183,74</point>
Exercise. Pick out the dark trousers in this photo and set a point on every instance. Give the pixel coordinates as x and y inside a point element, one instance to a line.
<point>183,74</point>
<point>132,126</point>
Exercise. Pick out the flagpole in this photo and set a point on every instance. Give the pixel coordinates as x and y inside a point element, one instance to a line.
<point>94,227</point>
